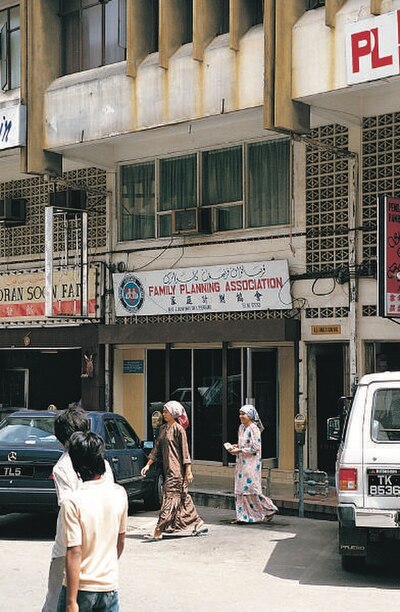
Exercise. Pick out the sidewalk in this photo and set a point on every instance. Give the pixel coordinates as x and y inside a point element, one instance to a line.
<point>217,492</point>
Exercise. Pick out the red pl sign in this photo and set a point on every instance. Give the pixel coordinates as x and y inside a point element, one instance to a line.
<point>372,48</point>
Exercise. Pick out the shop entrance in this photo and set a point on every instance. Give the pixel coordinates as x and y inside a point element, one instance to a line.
<point>35,379</point>
<point>212,385</point>
<point>325,387</point>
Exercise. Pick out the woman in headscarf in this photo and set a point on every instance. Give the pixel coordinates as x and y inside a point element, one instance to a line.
<point>251,505</point>
<point>178,513</point>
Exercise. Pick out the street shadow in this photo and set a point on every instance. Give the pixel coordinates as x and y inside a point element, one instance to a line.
<point>28,526</point>
<point>306,551</point>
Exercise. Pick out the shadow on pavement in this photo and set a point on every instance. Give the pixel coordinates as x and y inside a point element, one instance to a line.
<point>306,552</point>
<point>28,526</point>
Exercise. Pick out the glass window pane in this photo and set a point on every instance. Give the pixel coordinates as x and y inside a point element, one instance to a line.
<point>165,225</point>
<point>207,408</point>
<point>91,37</point>
<point>137,202</point>
<point>178,182</point>
<point>187,20</point>
<point>269,183</point>
<point>14,17</point>
<point>112,51</point>
<point>223,26</point>
<point>71,43</point>
<point>154,25</point>
<point>67,6</point>
<point>222,176</point>
<point>15,59</point>
<point>229,218</point>
<point>3,45</point>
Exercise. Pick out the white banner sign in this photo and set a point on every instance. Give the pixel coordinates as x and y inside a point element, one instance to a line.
<point>372,48</point>
<point>250,286</point>
<point>12,126</point>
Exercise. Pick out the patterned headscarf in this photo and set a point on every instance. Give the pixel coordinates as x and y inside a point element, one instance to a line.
<point>253,415</point>
<point>178,412</point>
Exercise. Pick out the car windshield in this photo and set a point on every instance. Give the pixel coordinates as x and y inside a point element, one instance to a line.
<point>28,430</point>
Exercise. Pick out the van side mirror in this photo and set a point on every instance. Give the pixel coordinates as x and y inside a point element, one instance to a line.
<point>333,428</point>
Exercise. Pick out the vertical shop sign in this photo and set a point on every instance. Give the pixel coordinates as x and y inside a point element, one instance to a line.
<point>389,257</point>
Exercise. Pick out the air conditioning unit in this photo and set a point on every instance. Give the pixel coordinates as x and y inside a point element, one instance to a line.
<point>72,200</point>
<point>12,211</point>
<point>192,221</point>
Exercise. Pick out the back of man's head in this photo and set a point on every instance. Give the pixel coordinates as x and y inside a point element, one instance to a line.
<point>86,450</point>
<point>68,422</point>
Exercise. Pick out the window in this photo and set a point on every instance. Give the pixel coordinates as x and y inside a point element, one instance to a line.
<point>268,183</point>
<point>223,17</point>
<point>313,4</point>
<point>205,191</point>
<point>187,19</point>
<point>137,201</point>
<point>222,183</point>
<point>10,48</point>
<point>256,11</point>
<point>93,33</point>
<point>154,25</point>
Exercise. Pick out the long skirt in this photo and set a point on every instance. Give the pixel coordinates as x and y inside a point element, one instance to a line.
<point>178,512</point>
<point>254,508</point>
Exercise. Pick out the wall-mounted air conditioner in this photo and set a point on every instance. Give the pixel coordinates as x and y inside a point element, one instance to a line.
<point>71,200</point>
<point>12,211</point>
<point>192,221</point>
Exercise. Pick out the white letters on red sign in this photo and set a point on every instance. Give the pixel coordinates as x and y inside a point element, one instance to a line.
<point>372,48</point>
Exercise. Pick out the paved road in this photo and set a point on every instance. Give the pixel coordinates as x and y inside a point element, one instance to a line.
<point>289,565</point>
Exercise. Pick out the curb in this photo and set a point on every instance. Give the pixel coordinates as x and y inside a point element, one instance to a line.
<point>289,507</point>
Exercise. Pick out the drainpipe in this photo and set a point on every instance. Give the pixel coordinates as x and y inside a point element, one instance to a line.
<point>353,283</point>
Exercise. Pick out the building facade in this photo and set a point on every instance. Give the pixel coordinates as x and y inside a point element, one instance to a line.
<point>231,166</point>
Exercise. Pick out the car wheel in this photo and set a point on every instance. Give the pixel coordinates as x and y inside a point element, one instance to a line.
<point>353,564</point>
<point>153,501</point>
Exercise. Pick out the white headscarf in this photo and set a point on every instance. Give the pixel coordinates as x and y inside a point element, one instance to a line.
<point>178,412</point>
<point>253,415</point>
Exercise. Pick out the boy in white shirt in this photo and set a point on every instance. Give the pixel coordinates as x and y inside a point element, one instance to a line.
<point>94,518</point>
<point>66,480</point>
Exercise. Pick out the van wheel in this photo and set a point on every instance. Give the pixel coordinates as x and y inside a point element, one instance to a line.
<point>153,501</point>
<point>353,564</point>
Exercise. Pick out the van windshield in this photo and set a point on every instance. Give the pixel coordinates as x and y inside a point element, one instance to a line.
<point>385,421</point>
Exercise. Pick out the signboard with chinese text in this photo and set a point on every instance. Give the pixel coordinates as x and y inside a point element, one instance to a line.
<point>22,295</point>
<point>389,257</point>
<point>372,48</point>
<point>234,287</point>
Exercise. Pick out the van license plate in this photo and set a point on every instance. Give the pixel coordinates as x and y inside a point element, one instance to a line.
<point>383,482</point>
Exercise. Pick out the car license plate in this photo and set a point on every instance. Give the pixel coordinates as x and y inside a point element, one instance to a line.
<point>14,471</point>
<point>383,482</point>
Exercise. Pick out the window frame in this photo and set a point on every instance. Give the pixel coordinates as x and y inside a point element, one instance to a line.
<point>6,81</point>
<point>67,9</point>
<point>214,207</point>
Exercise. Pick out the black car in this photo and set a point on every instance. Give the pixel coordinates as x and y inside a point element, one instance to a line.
<point>29,450</point>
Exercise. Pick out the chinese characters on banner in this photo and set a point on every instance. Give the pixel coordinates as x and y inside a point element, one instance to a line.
<point>250,286</point>
<point>389,257</point>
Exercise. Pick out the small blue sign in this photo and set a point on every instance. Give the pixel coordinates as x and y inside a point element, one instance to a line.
<point>133,366</point>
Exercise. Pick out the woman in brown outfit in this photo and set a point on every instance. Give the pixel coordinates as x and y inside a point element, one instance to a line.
<point>178,513</point>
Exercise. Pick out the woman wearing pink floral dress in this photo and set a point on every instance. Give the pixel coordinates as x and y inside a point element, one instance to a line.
<point>251,505</point>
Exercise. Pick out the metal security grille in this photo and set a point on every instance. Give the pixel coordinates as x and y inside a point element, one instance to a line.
<point>327,194</point>
<point>214,316</point>
<point>27,241</point>
<point>380,172</point>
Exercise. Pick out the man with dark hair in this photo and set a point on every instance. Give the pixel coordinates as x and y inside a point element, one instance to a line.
<point>66,480</point>
<point>94,518</point>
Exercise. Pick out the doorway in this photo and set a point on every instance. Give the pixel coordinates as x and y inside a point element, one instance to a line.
<point>211,383</point>
<point>325,386</point>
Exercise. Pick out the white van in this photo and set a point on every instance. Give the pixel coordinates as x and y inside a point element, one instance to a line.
<point>368,468</point>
